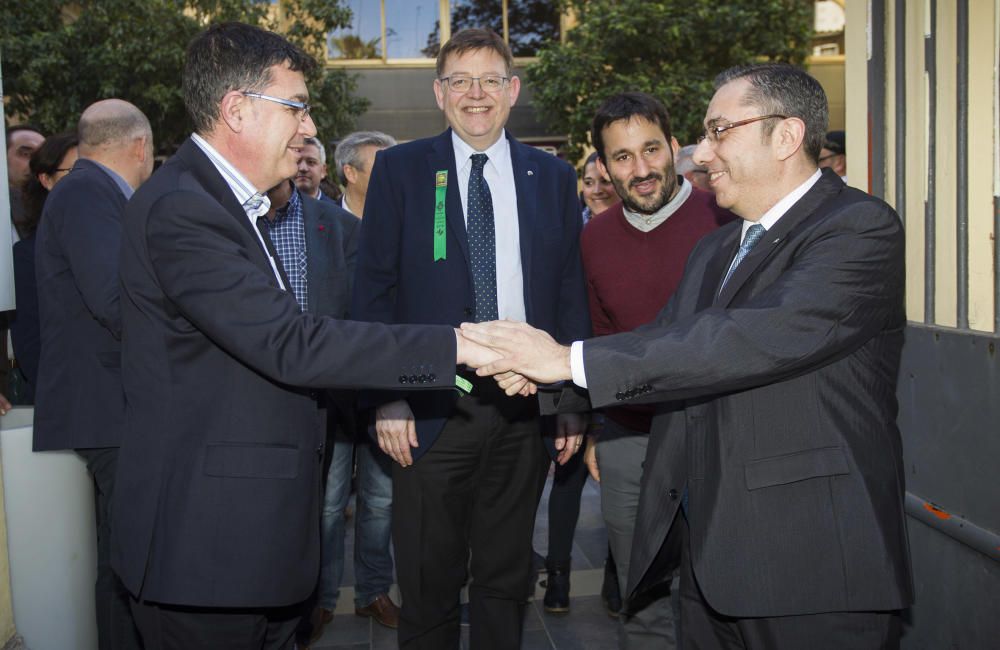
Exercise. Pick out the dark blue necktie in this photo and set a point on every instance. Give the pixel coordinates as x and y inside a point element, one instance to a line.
<point>482,242</point>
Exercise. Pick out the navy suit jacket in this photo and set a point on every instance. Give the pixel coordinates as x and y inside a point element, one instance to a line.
<point>25,331</point>
<point>398,280</point>
<point>217,496</point>
<point>78,399</point>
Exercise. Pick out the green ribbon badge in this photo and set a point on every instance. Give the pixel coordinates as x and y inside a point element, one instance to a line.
<point>440,194</point>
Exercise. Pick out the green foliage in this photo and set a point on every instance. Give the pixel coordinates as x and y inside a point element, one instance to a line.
<point>671,49</point>
<point>59,56</point>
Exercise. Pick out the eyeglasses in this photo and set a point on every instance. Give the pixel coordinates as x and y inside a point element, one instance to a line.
<point>714,133</point>
<point>491,83</point>
<point>829,156</point>
<point>301,108</point>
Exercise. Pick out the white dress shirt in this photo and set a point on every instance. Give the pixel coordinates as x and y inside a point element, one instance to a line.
<point>499,175</point>
<point>770,218</point>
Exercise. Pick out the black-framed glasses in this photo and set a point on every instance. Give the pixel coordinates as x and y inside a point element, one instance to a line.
<point>301,108</point>
<point>714,133</point>
<point>491,83</point>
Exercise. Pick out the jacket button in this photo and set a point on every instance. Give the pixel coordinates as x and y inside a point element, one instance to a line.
<point>413,379</point>
<point>402,379</point>
<point>619,396</point>
<point>432,377</point>
<point>673,494</point>
<point>423,379</point>
<point>319,451</point>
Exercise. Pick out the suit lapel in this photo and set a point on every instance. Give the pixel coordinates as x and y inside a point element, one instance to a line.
<point>442,156</point>
<point>317,231</point>
<point>216,186</point>
<point>717,266</point>
<point>526,187</point>
<point>775,237</point>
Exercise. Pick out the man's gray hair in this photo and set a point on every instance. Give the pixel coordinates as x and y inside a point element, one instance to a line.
<point>319,147</point>
<point>348,151</point>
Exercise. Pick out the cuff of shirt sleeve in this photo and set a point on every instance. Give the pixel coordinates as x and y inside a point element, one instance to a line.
<point>576,364</point>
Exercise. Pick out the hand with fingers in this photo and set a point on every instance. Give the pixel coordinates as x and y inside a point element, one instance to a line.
<point>396,431</point>
<point>570,428</point>
<point>521,348</point>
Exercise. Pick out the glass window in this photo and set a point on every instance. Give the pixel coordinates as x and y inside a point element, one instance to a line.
<point>531,24</point>
<point>410,25</point>
<point>363,38</point>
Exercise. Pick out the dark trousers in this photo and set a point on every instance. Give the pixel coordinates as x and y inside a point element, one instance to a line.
<point>705,629</point>
<point>115,628</point>
<point>168,627</point>
<point>564,510</point>
<point>476,489</point>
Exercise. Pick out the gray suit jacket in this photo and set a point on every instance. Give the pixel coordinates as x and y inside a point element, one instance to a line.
<point>785,436</point>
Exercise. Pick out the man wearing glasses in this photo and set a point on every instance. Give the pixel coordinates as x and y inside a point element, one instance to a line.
<point>217,501</point>
<point>782,471</point>
<point>469,225</point>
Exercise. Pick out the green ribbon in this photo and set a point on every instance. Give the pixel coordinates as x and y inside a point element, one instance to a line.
<point>440,194</point>
<point>463,384</point>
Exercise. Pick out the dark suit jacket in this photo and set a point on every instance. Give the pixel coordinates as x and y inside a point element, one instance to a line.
<point>331,252</point>
<point>218,484</point>
<point>786,439</point>
<point>78,399</point>
<point>25,330</point>
<point>398,280</point>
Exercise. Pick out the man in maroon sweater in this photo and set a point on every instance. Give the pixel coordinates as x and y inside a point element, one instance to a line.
<point>633,257</point>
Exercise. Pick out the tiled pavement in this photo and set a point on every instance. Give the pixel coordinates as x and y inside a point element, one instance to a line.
<point>586,627</point>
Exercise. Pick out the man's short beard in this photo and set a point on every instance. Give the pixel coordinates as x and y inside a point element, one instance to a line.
<point>669,187</point>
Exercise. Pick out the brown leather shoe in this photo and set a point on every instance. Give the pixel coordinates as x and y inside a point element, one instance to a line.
<point>382,609</point>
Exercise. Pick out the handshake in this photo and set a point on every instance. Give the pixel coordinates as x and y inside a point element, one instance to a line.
<point>516,354</point>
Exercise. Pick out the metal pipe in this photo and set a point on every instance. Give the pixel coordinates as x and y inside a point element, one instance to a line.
<point>958,528</point>
<point>900,142</point>
<point>876,100</point>
<point>962,168</point>
<point>930,207</point>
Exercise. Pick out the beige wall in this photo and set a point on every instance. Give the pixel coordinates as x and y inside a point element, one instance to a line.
<point>982,142</point>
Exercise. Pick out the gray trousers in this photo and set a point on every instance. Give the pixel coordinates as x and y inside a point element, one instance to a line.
<point>620,454</point>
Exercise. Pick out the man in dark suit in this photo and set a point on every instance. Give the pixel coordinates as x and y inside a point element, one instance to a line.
<point>469,224</point>
<point>781,464</point>
<point>79,402</point>
<point>216,530</point>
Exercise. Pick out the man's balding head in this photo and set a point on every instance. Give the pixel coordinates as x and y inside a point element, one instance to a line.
<point>117,134</point>
<point>111,123</point>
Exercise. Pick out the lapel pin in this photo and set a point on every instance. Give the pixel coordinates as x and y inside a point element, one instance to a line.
<point>531,173</point>
<point>776,240</point>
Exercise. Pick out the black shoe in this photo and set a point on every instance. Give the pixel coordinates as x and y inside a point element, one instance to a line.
<point>557,591</point>
<point>610,593</point>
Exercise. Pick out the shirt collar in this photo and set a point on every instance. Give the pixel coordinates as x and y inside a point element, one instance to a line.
<point>289,210</point>
<point>647,222</point>
<point>119,181</point>
<point>498,152</point>
<point>779,209</point>
<point>246,194</point>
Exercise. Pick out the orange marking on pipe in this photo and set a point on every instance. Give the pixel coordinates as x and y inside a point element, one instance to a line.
<point>937,512</point>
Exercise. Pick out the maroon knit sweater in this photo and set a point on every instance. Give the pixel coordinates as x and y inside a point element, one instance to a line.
<point>632,274</point>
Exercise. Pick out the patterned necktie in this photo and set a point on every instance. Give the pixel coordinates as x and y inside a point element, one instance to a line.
<point>754,233</point>
<point>482,242</point>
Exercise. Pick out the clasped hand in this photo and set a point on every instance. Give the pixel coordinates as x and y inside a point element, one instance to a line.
<point>506,347</point>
